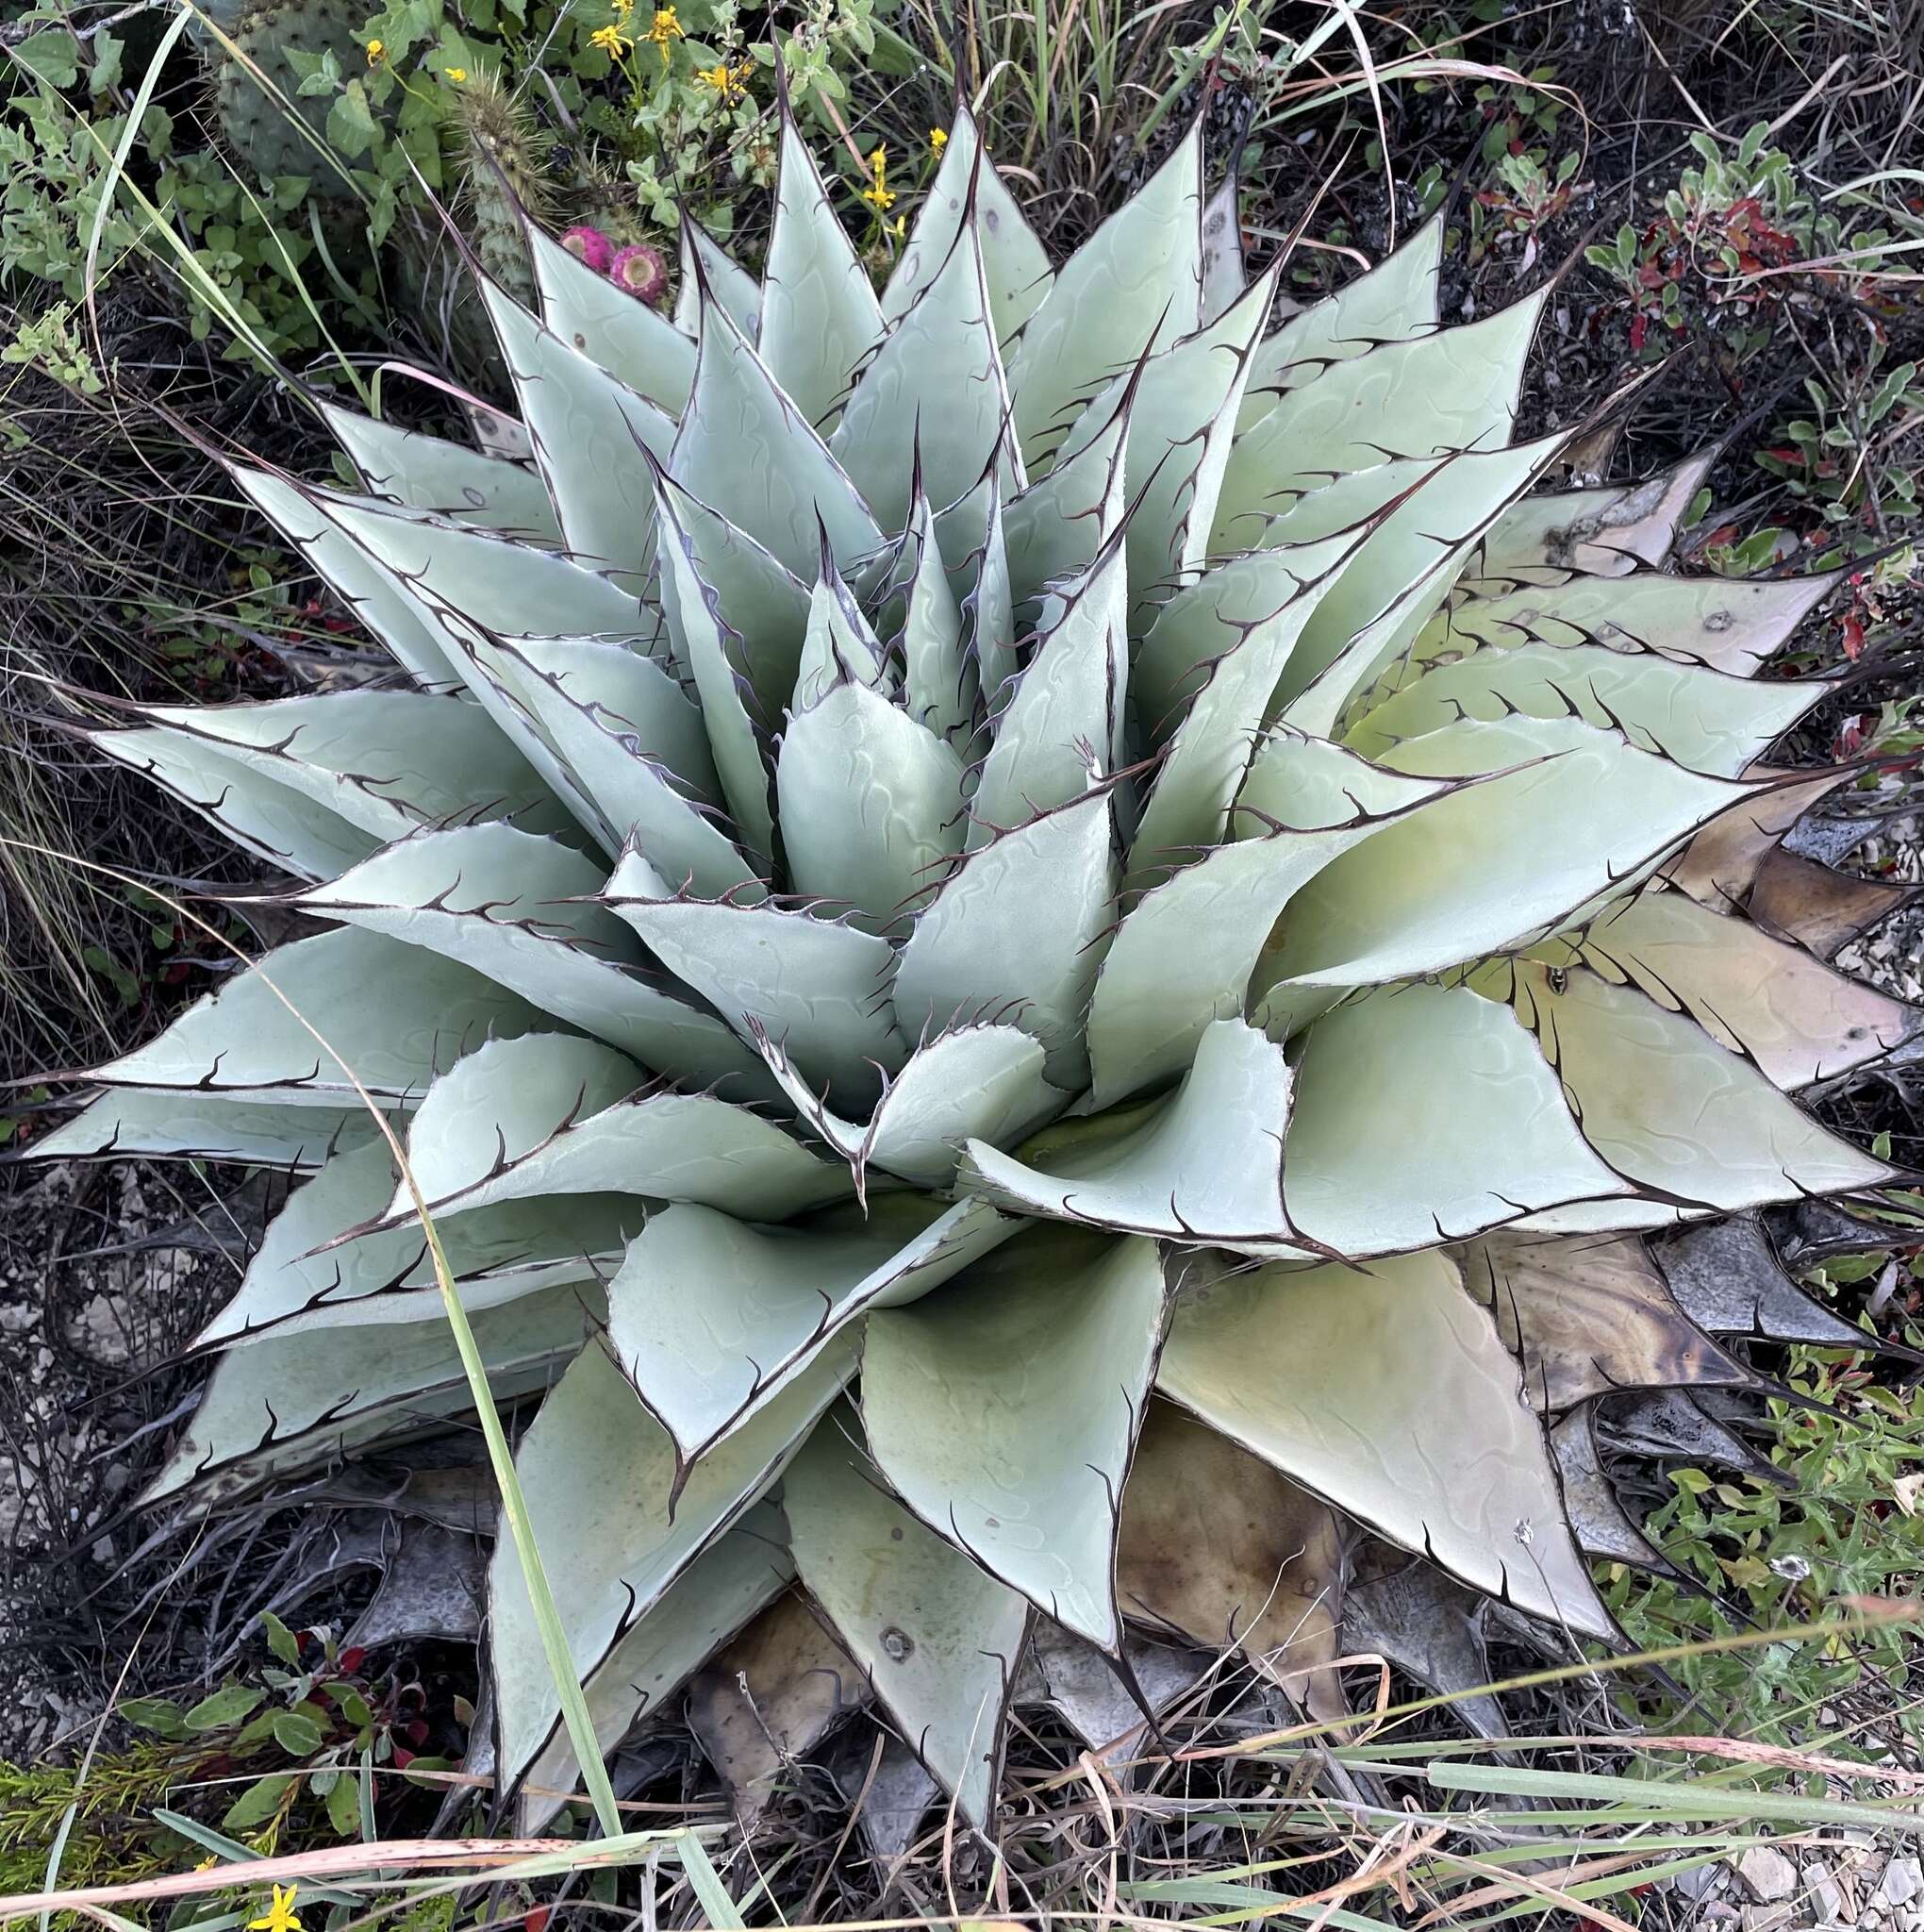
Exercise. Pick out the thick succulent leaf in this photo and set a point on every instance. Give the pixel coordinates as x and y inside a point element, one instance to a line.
<point>1204,1165</point>
<point>1473,872</point>
<point>1061,730</point>
<point>638,750</point>
<point>1727,1275</point>
<point>1588,1316</point>
<point>1271,1359</point>
<point>307,1273</point>
<point>1726,623</point>
<point>1379,1161</point>
<point>1604,533</point>
<point>839,645</point>
<point>745,450</point>
<point>718,1594</point>
<point>598,1473</point>
<point>1219,1549</point>
<point>1003,1411</point>
<point>939,373</point>
<point>273,821</point>
<point>509,1128</point>
<point>640,347</point>
<point>1182,412</point>
<point>243,1041</point>
<point>469,576</point>
<point>278,1405</point>
<point>504,1101</point>
<point>979,1082</point>
<point>820,316</point>
<point>1210,751</point>
<point>1396,301</point>
<point>1703,720</point>
<point>190,1126</point>
<point>386,761</point>
<point>1818,907</point>
<point>302,515</point>
<point>1790,1015</point>
<point>587,428</point>
<point>938,673</point>
<point>1398,576</point>
<point>511,906</point>
<point>937,1638</point>
<point>709,270</point>
<point>982,579</point>
<point>1054,530</point>
<point>445,478</point>
<point>1454,388</point>
<point>1182,956</point>
<point>1685,1119</point>
<point>709,647</point>
<point>1134,286</point>
<point>1204,621</point>
<point>472,590</point>
<point>711,1319</point>
<point>816,988</point>
<point>1224,274</point>
<point>1017,933</point>
<point>1308,784</point>
<point>871,806</point>
<point>1016,264</point>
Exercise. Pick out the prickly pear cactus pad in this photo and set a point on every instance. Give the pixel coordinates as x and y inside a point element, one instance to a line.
<point>1002,921</point>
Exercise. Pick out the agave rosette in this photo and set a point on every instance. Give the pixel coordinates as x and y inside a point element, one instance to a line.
<point>1043,916</point>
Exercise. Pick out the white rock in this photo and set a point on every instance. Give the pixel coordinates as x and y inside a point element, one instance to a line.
<point>1825,1892</point>
<point>1768,1874</point>
<point>1903,1880</point>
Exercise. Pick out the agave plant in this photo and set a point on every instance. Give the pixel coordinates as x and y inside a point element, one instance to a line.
<point>1041,952</point>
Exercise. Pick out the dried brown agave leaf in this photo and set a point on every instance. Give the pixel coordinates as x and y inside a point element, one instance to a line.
<point>1721,863</point>
<point>770,1698</point>
<point>1222,1550</point>
<point>1728,1279</point>
<point>1426,1624</point>
<point>1603,1527</point>
<point>1818,908</point>
<point>1590,1316</point>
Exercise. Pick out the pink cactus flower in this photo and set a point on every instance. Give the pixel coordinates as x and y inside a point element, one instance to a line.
<point>640,270</point>
<point>593,246</point>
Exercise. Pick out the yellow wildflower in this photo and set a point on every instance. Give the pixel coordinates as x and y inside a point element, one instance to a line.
<point>877,195</point>
<point>457,75</point>
<point>729,83</point>
<point>664,28</point>
<point>611,39</point>
<point>624,9</point>
<point>938,140</point>
<point>901,229</point>
<point>280,1916</point>
<point>377,52</point>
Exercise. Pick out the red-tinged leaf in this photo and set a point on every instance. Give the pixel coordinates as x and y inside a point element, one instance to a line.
<point>353,1659</point>
<point>1853,636</point>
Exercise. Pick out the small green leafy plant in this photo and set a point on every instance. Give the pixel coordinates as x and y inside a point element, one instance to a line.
<point>321,1721</point>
